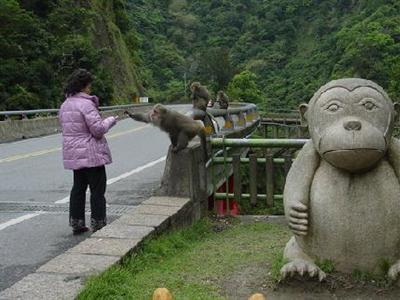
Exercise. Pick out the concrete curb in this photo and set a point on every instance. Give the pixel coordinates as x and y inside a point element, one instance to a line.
<point>64,276</point>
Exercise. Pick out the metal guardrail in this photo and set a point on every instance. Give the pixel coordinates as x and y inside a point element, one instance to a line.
<point>27,112</point>
<point>262,143</point>
<point>7,114</point>
<point>232,163</point>
<point>235,108</point>
<point>282,111</point>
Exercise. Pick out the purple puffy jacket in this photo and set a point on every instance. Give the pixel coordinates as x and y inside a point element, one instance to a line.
<point>83,129</point>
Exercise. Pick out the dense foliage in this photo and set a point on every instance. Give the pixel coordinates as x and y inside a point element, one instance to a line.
<point>41,42</point>
<point>272,52</point>
<point>291,47</point>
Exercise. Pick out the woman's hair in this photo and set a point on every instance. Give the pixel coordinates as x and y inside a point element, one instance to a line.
<point>77,81</point>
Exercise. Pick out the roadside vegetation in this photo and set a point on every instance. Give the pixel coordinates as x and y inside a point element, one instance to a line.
<point>200,262</point>
<point>274,53</point>
<point>224,258</point>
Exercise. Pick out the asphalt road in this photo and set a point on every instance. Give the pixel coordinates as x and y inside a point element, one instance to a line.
<point>34,191</point>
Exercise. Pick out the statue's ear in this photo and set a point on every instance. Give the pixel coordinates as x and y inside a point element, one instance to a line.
<point>396,111</point>
<point>303,108</point>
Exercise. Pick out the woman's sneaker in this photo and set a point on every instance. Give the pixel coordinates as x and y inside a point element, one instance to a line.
<point>79,230</point>
<point>78,226</point>
<point>97,224</point>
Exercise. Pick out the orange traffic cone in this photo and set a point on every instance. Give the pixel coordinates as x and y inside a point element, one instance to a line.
<point>162,294</point>
<point>257,296</point>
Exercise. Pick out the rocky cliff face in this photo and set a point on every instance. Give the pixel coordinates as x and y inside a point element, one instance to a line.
<point>115,55</point>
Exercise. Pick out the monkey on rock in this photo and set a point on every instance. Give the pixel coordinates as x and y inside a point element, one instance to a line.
<point>180,128</point>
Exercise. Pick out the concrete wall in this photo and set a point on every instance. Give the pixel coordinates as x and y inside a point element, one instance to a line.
<point>13,130</point>
<point>186,174</point>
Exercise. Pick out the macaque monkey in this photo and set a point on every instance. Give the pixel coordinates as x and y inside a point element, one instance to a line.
<point>200,96</point>
<point>180,128</point>
<point>223,100</point>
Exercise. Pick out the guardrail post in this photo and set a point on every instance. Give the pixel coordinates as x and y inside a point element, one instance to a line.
<point>249,116</point>
<point>269,169</point>
<point>287,131</point>
<point>265,131</point>
<point>275,132</point>
<point>185,176</point>
<point>228,206</point>
<point>228,121</point>
<point>242,120</point>
<point>253,179</point>
<point>288,162</point>
<point>237,178</point>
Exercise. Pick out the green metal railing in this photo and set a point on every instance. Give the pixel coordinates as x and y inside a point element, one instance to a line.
<point>258,143</point>
<point>230,154</point>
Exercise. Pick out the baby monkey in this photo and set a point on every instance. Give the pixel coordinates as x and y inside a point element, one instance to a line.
<point>180,128</point>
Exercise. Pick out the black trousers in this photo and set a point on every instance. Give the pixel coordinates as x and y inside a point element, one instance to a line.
<point>96,179</point>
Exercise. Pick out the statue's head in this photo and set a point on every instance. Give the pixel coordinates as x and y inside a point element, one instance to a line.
<point>350,121</point>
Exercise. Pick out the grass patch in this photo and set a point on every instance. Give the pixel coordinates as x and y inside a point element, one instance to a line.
<point>277,263</point>
<point>326,265</point>
<point>364,278</point>
<point>261,208</point>
<point>381,279</point>
<point>192,263</point>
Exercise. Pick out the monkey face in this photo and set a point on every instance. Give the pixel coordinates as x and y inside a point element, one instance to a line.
<point>194,86</point>
<point>156,114</point>
<point>351,129</point>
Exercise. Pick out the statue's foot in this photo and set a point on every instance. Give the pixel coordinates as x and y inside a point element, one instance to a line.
<point>394,271</point>
<point>302,267</point>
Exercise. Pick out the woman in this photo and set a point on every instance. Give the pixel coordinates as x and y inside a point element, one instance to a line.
<point>85,150</point>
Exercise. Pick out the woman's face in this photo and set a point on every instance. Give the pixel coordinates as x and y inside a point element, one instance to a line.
<point>87,89</point>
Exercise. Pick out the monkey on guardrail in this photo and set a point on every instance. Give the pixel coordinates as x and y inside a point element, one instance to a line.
<point>200,96</point>
<point>222,100</point>
<point>180,128</point>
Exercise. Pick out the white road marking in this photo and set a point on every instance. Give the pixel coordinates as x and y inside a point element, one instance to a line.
<point>46,151</point>
<point>27,155</point>
<point>123,176</point>
<point>19,220</point>
<point>113,135</point>
<point>63,200</point>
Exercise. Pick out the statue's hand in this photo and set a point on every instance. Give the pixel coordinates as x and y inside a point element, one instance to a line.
<point>394,271</point>
<point>298,218</point>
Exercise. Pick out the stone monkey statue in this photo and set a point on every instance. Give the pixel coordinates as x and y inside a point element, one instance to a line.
<point>342,194</point>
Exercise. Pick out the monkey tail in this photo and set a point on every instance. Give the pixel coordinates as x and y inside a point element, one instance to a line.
<point>203,138</point>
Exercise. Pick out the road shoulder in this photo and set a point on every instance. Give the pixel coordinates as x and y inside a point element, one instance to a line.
<point>64,276</point>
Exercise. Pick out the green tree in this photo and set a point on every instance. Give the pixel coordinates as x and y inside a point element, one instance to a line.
<point>244,88</point>
<point>370,49</point>
<point>216,67</point>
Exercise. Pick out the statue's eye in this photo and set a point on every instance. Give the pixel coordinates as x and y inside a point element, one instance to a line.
<point>370,106</point>
<point>333,107</point>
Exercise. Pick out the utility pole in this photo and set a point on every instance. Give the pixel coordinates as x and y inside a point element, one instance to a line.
<point>184,88</point>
